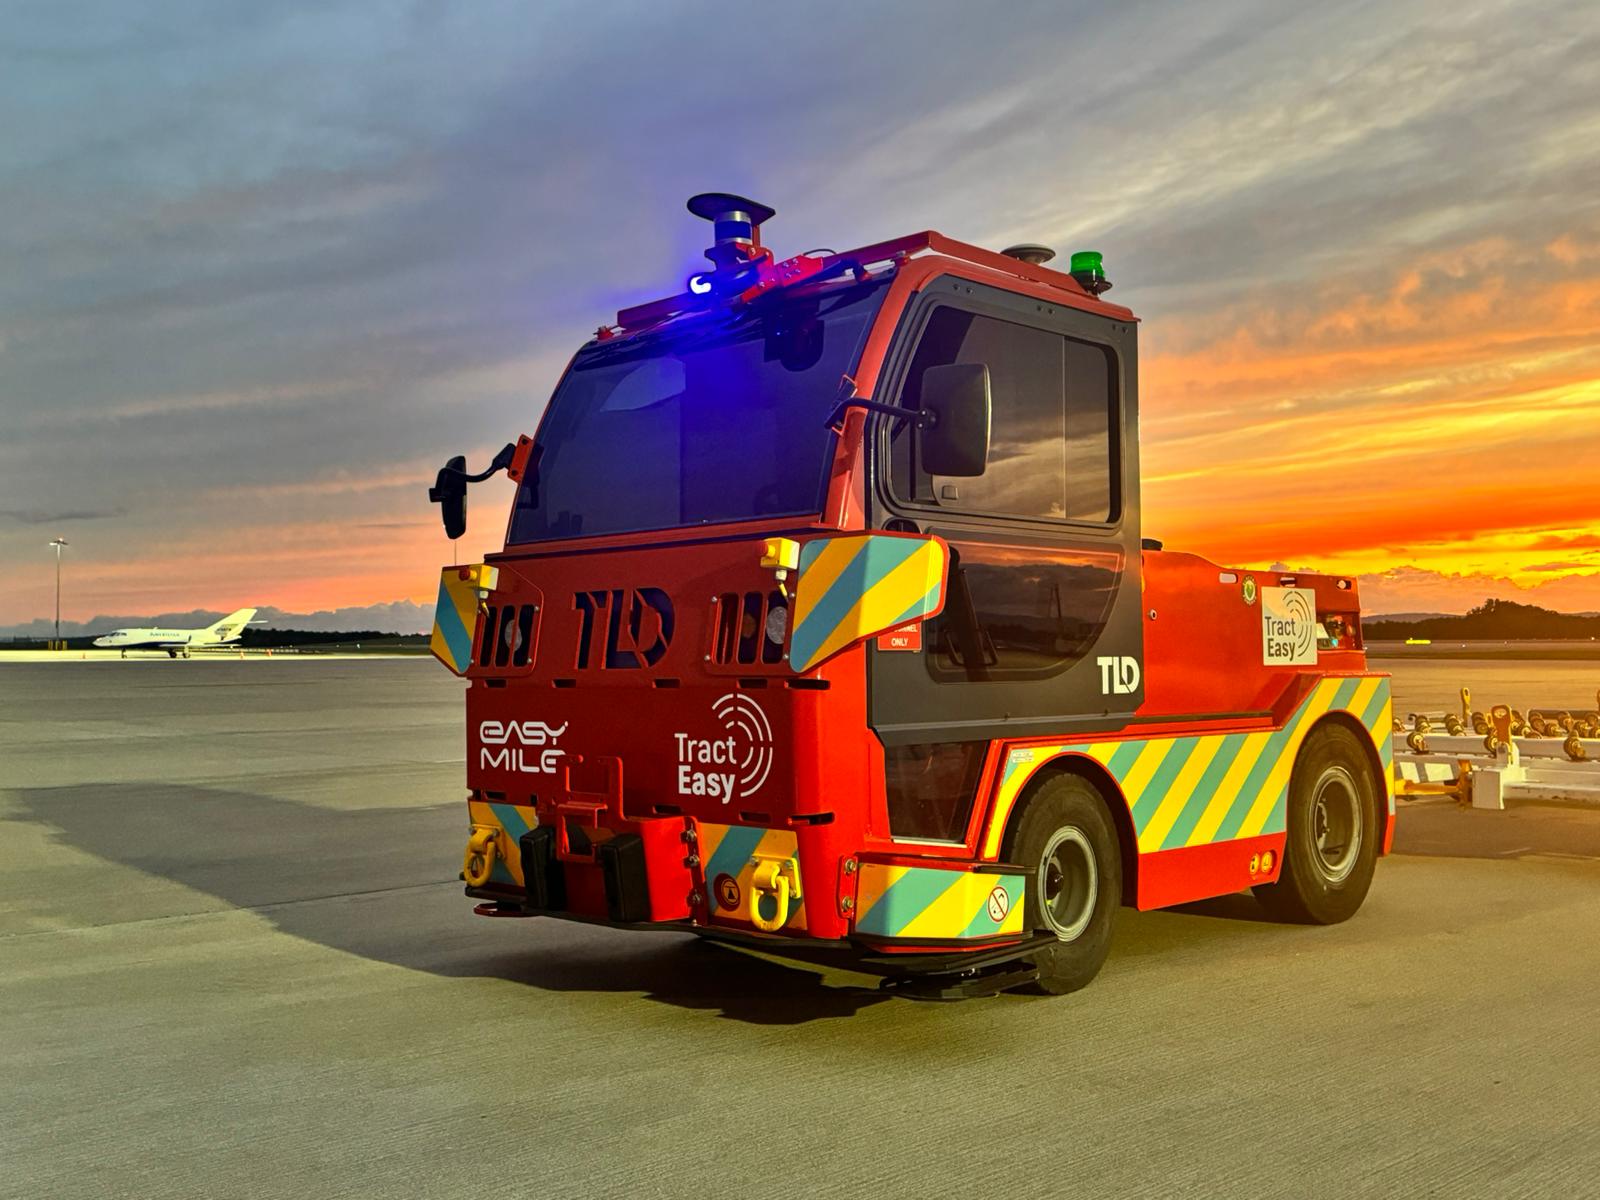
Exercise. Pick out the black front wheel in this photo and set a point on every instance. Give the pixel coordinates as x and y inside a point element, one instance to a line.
<point>1332,845</point>
<point>1066,835</point>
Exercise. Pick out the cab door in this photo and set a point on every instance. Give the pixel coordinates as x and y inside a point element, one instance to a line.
<point>1041,632</point>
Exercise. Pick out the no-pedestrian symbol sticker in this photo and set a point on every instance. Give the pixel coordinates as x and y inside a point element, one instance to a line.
<point>1288,626</point>
<point>999,904</point>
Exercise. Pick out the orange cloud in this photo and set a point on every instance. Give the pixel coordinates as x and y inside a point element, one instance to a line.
<point>1444,420</point>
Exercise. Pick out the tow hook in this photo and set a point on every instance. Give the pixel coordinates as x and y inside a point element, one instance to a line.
<point>780,879</point>
<point>482,847</point>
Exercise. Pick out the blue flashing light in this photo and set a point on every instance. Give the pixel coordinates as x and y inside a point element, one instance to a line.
<point>700,285</point>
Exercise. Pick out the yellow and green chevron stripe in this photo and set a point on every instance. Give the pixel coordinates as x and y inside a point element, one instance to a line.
<point>852,587</point>
<point>511,822</point>
<point>455,614</point>
<point>1192,791</point>
<point>734,850</point>
<point>930,903</point>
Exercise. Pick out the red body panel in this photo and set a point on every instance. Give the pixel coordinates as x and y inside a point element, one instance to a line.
<point>1202,644</point>
<point>1171,877</point>
<point>643,740</point>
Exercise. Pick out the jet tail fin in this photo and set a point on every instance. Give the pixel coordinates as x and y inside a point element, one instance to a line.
<point>232,625</point>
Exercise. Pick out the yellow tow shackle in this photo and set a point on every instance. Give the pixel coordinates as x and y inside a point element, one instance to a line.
<point>778,878</point>
<point>482,847</point>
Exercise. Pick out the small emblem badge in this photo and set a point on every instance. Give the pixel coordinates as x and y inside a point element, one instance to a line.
<point>999,904</point>
<point>1249,589</point>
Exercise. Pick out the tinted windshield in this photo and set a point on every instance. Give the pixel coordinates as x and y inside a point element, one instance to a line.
<point>716,418</point>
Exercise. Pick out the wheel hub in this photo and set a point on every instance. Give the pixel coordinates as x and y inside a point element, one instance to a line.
<point>1336,824</point>
<point>1069,883</point>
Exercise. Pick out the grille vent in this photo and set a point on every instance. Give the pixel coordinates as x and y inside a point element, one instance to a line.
<point>741,628</point>
<point>507,636</point>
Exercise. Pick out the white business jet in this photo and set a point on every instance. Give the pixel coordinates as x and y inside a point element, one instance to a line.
<point>178,641</point>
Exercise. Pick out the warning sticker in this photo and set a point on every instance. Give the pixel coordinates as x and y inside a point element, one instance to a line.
<point>903,637</point>
<point>1288,627</point>
<point>999,904</point>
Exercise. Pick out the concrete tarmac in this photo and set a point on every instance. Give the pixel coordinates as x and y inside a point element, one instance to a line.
<point>235,961</point>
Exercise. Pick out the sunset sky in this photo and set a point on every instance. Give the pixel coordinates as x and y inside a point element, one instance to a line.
<point>268,265</point>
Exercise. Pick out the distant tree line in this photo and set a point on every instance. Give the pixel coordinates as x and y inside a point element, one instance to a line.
<point>1493,620</point>
<point>261,639</point>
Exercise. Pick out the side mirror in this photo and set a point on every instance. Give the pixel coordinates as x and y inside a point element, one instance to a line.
<point>449,492</point>
<point>956,439</point>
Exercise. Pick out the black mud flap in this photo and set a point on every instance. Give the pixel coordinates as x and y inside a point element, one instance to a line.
<point>965,986</point>
<point>544,878</point>
<point>987,973</point>
<point>627,890</point>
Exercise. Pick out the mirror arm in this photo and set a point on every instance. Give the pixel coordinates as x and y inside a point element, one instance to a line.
<point>921,418</point>
<point>501,462</point>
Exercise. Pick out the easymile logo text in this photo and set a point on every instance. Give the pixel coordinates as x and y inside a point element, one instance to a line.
<point>525,746</point>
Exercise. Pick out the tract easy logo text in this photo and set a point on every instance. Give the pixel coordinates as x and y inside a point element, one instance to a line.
<point>735,763</point>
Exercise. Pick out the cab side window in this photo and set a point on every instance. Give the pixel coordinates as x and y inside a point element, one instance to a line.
<point>1053,446</point>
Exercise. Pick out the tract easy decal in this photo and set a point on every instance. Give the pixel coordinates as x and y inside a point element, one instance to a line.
<point>1288,626</point>
<point>734,764</point>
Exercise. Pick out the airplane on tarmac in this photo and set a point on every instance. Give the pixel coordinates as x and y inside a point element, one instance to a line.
<point>178,641</point>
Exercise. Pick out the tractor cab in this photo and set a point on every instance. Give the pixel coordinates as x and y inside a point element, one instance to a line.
<point>797,556</point>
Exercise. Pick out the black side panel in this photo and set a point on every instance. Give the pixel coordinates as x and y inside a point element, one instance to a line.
<point>542,875</point>
<point>622,865</point>
<point>931,788</point>
<point>1042,630</point>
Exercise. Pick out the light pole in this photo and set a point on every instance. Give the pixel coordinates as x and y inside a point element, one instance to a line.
<point>60,544</point>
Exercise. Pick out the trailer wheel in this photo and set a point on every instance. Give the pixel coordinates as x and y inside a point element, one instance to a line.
<point>1066,835</point>
<point>1332,843</point>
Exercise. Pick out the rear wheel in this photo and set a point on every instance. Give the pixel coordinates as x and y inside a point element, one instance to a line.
<point>1332,844</point>
<point>1066,836</point>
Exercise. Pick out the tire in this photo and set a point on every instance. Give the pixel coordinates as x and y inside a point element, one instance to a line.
<point>1065,834</point>
<point>1332,844</point>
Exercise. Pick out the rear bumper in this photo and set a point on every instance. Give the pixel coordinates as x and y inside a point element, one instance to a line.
<point>773,886</point>
<point>850,953</point>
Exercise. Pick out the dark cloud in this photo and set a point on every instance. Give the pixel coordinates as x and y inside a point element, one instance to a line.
<point>37,516</point>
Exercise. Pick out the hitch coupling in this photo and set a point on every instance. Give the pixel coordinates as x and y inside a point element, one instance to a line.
<point>780,879</point>
<point>483,846</point>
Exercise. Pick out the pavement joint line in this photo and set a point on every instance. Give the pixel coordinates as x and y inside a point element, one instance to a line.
<point>236,908</point>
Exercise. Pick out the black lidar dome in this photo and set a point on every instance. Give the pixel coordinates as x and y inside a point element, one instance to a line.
<point>715,206</point>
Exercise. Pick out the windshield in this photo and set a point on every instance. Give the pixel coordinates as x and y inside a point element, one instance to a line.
<point>716,418</point>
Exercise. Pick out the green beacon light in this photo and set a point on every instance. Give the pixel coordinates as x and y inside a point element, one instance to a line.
<point>1087,270</point>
